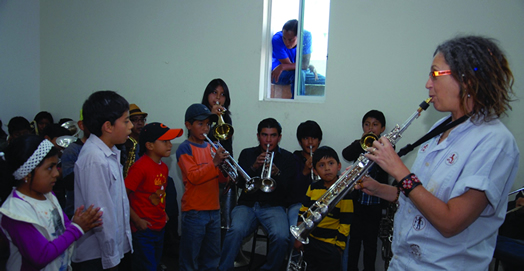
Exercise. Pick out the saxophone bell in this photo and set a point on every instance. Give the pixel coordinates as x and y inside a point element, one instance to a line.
<point>131,156</point>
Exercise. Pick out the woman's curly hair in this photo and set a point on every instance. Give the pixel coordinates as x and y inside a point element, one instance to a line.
<point>483,72</point>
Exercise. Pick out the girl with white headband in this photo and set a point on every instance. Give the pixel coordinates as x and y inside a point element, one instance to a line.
<point>39,234</point>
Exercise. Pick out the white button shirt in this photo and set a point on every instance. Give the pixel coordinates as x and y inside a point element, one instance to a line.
<point>481,156</point>
<point>99,181</point>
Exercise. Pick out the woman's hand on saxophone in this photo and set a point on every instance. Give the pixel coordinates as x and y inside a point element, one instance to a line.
<point>383,154</point>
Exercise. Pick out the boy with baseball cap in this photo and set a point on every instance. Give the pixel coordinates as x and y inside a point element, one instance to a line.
<point>146,185</point>
<point>200,239</point>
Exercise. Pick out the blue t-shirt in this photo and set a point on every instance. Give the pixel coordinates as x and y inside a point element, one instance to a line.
<point>280,51</point>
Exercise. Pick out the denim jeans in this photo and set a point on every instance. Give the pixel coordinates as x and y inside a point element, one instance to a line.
<point>200,240</point>
<point>147,245</point>
<point>245,221</point>
<point>510,252</point>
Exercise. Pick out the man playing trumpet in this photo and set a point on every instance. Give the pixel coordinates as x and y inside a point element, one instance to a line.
<point>259,207</point>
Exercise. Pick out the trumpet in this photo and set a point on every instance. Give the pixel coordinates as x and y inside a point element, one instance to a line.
<point>230,166</point>
<point>321,208</point>
<point>265,183</point>
<point>367,140</point>
<point>314,178</point>
<point>223,130</point>
<point>66,140</point>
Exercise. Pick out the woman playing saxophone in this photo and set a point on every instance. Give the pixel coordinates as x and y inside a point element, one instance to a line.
<point>454,199</point>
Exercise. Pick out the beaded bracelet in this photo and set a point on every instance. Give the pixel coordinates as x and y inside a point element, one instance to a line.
<point>408,183</point>
<point>398,195</point>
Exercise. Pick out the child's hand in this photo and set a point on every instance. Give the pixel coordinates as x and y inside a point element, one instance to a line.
<point>142,224</point>
<point>220,156</point>
<point>308,166</point>
<point>368,185</point>
<point>298,245</point>
<point>217,108</point>
<point>88,219</point>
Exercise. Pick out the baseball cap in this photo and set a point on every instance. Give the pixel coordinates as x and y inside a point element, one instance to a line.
<point>200,112</point>
<point>135,110</point>
<point>158,131</point>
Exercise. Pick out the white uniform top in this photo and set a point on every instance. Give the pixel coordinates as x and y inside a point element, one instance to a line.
<point>481,156</point>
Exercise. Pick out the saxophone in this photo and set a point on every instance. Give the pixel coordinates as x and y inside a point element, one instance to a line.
<point>318,210</point>
<point>130,157</point>
<point>386,233</point>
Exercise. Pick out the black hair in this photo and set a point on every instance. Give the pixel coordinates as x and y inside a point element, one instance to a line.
<point>269,123</point>
<point>17,153</point>
<point>102,106</point>
<point>43,115</point>
<point>483,72</point>
<point>214,84</point>
<point>18,123</point>
<point>55,130</point>
<point>291,25</point>
<point>324,152</point>
<point>309,128</point>
<point>376,115</point>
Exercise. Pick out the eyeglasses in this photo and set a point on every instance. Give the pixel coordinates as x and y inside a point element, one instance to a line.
<point>138,120</point>
<point>435,74</point>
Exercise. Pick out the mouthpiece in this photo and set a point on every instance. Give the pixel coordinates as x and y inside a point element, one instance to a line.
<point>424,105</point>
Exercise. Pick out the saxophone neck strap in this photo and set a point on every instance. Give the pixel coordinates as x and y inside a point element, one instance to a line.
<point>444,126</point>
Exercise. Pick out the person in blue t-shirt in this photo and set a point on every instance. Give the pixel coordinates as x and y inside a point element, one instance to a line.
<point>284,58</point>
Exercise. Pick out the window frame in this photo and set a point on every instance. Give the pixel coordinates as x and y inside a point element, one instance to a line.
<point>266,58</point>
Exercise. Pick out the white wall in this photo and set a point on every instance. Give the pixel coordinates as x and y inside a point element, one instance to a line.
<point>19,59</point>
<point>161,55</point>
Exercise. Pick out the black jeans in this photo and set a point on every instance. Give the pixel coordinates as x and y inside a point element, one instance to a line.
<point>364,229</point>
<point>322,256</point>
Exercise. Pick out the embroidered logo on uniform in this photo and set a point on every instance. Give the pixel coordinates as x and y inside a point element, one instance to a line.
<point>423,149</point>
<point>419,223</point>
<point>415,250</point>
<point>452,159</point>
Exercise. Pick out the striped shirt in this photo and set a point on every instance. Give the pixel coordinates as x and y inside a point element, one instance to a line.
<point>334,228</point>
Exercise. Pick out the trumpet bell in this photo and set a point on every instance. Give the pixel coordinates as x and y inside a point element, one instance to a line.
<point>265,185</point>
<point>367,140</point>
<point>65,141</point>
<point>72,126</point>
<point>223,131</point>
